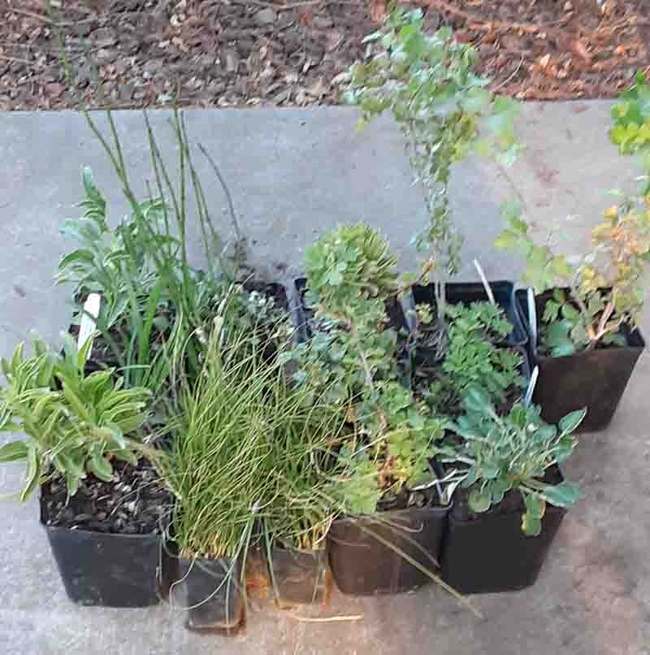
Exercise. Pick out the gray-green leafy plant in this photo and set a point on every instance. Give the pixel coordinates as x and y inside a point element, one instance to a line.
<point>513,453</point>
<point>428,82</point>
<point>351,275</point>
<point>113,261</point>
<point>74,424</point>
<point>155,301</point>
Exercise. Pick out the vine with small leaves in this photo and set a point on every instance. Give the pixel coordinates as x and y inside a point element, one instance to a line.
<point>429,84</point>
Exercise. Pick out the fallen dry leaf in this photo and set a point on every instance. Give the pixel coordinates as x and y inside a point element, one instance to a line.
<point>378,10</point>
<point>581,50</point>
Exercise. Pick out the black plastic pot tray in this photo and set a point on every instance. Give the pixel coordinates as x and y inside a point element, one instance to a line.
<point>469,292</point>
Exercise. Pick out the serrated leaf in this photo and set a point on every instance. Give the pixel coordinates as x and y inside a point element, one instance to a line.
<point>561,267</point>
<point>559,296</point>
<point>507,240</point>
<point>551,311</point>
<point>570,313</point>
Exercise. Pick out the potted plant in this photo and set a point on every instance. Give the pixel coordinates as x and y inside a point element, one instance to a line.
<point>387,536</point>
<point>243,466</point>
<point>584,320</point>
<point>214,469</point>
<point>465,344</point>
<point>102,504</point>
<point>512,495</point>
<point>298,510</point>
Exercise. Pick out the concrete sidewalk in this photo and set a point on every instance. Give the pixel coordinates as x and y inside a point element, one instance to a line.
<point>293,175</point>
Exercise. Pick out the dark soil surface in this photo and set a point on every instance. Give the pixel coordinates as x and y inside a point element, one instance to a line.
<point>224,53</point>
<point>135,502</point>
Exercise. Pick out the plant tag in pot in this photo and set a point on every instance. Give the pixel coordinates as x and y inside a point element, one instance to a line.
<point>88,323</point>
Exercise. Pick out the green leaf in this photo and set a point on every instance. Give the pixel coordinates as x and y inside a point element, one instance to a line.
<point>507,240</point>
<point>551,311</point>
<point>33,474</point>
<point>477,400</point>
<point>101,467</point>
<point>479,501</point>
<point>571,421</point>
<point>561,267</point>
<point>334,277</point>
<point>563,348</point>
<point>535,506</point>
<point>12,451</point>
<point>72,483</point>
<point>564,494</point>
<point>530,525</point>
<point>615,339</point>
<point>564,448</point>
<point>559,296</point>
<point>570,313</point>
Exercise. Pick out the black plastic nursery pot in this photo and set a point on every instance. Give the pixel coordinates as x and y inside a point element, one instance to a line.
<point>469,292</point>
<point>299,576</point>
<point>109,570</point>
<point>594,379</point>
<point>364,552</point>
<point>489,553</point>
<point>209,591</point>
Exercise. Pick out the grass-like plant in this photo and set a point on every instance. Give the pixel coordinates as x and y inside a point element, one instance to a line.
<point>74,424</point>
<point>247,450</point>
<point>154,300</point>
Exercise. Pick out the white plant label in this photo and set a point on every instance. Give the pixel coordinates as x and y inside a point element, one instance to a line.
<point>88,323</point>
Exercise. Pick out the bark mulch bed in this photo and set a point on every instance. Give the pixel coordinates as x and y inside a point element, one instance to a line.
<point>287,52</point>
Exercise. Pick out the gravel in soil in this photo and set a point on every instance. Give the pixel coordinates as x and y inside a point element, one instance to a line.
<point>135,502</point>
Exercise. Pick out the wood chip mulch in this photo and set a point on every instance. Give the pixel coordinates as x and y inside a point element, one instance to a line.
<point>226,53</point>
